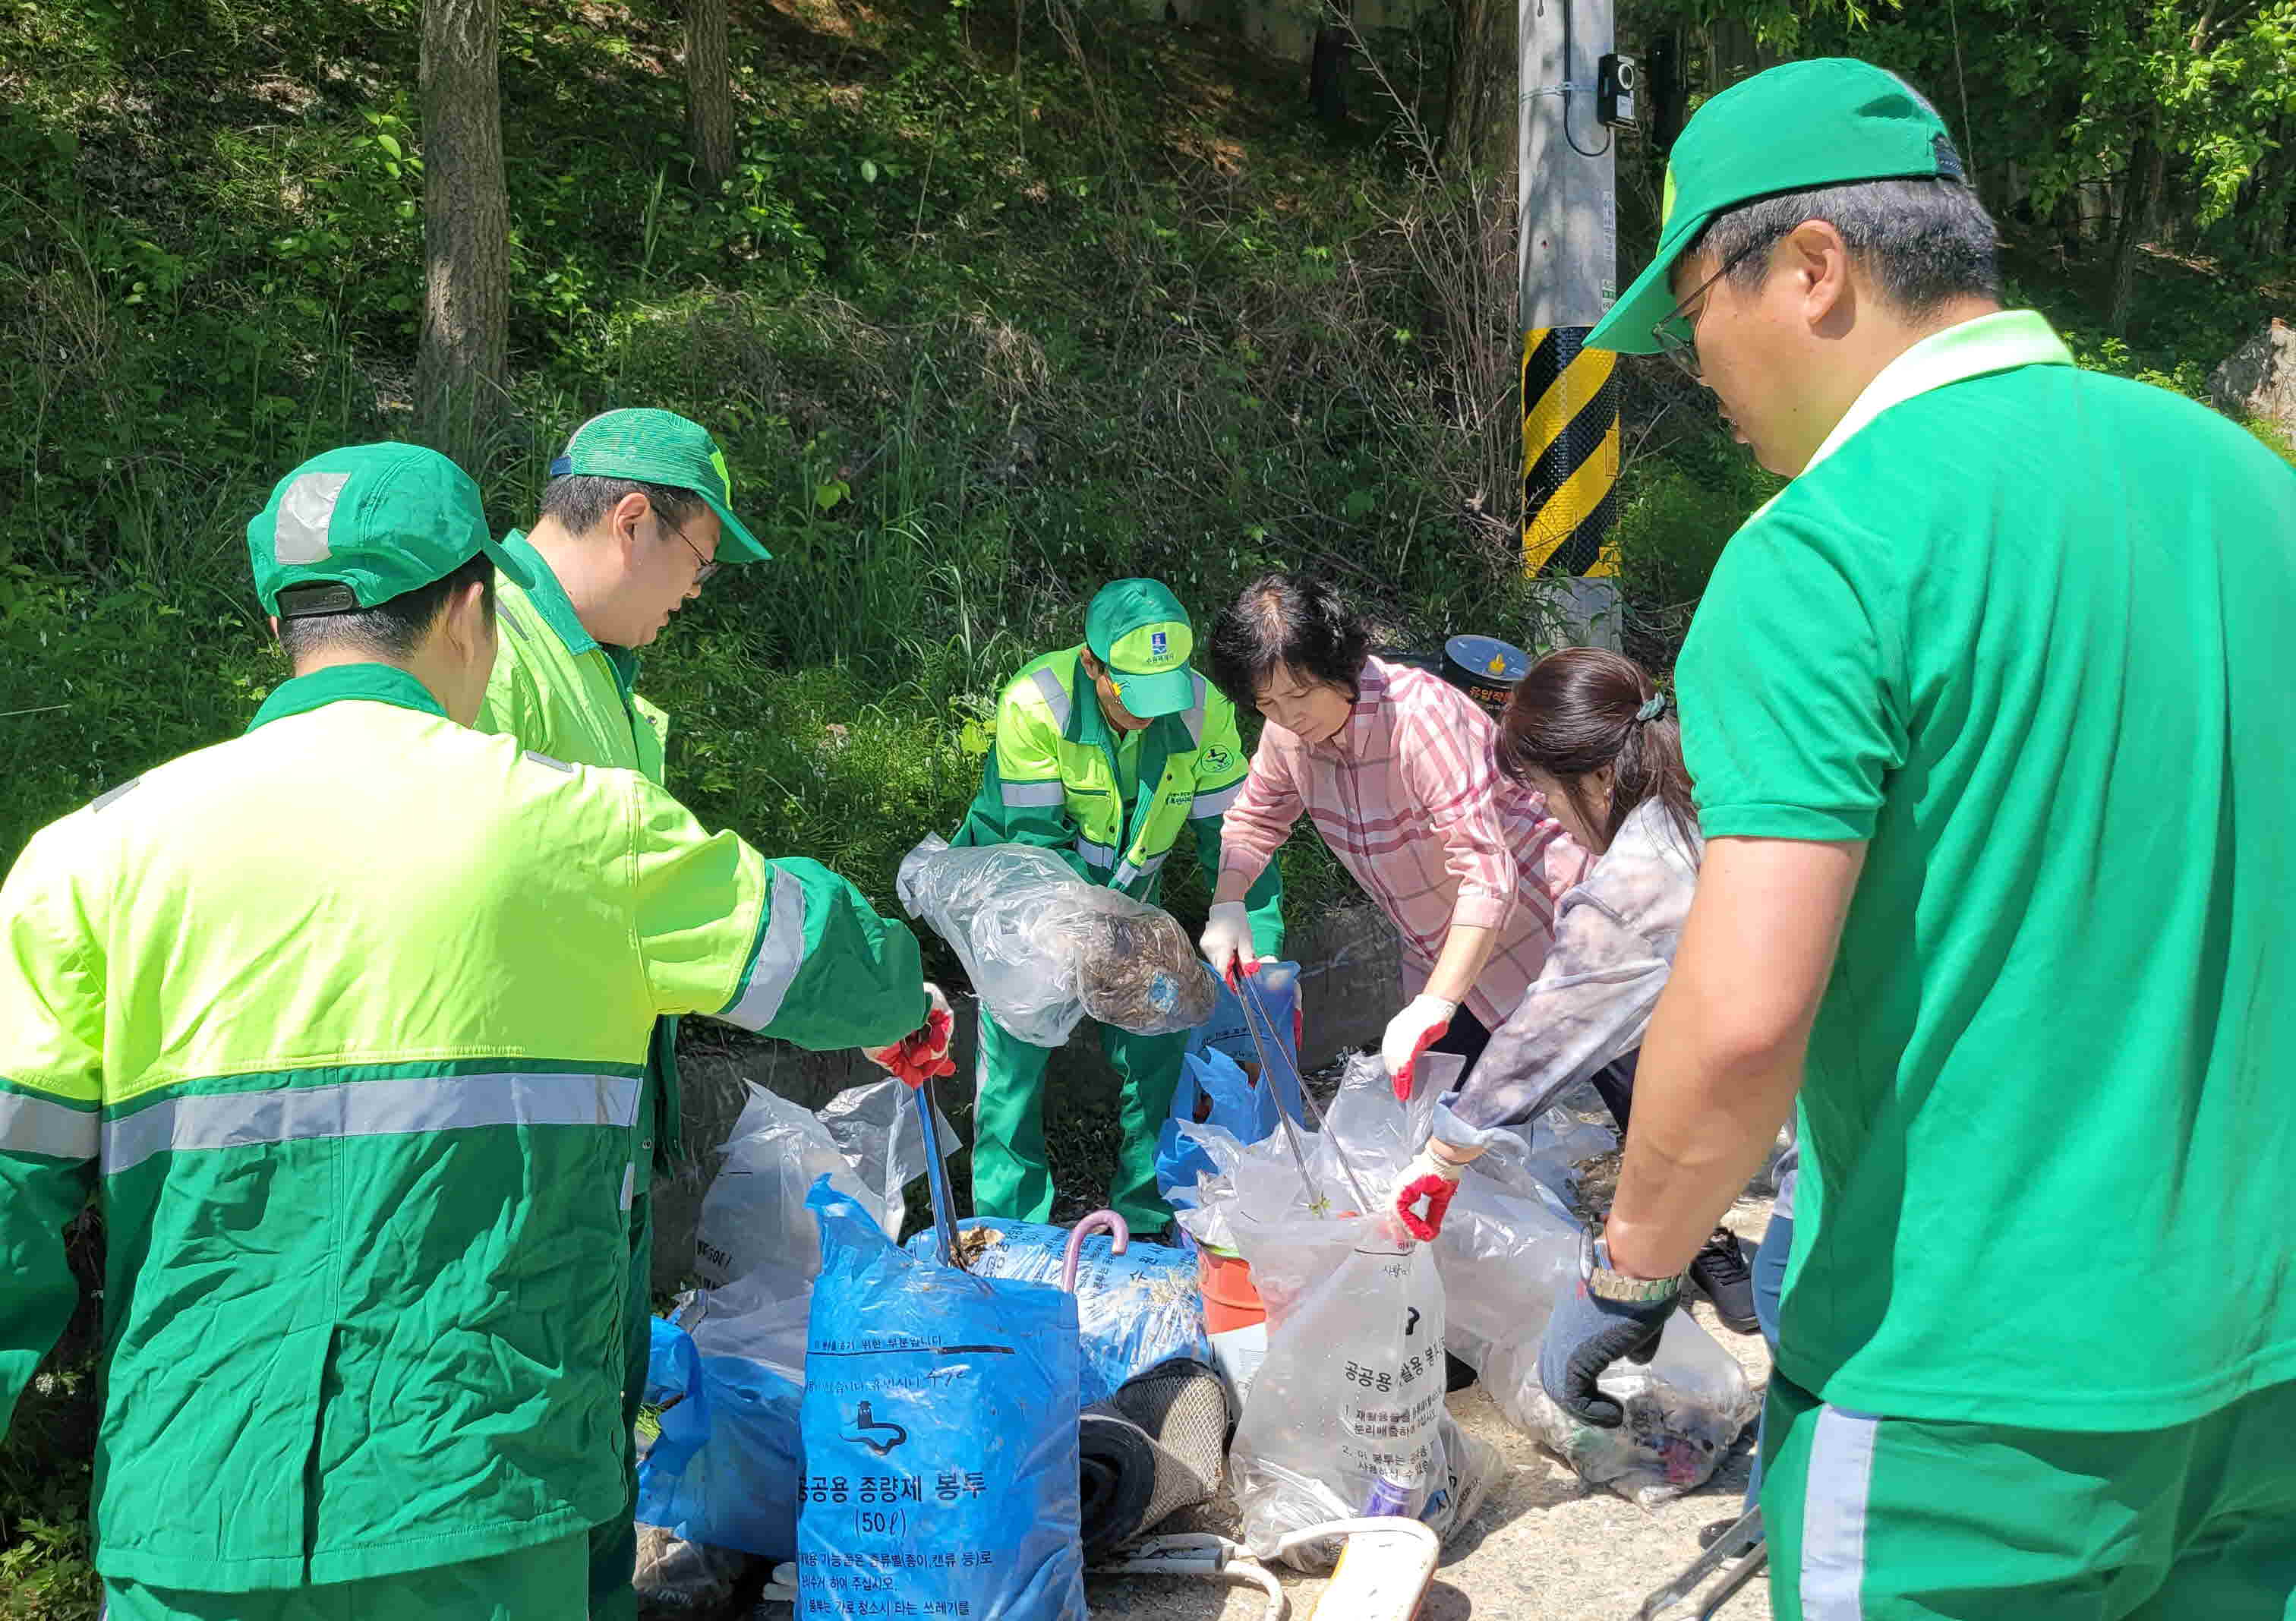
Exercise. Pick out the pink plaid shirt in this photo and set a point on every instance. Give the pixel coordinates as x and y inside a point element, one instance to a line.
<point>1410,797</point>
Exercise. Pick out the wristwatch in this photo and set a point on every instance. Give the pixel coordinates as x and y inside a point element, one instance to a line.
<point>1605,1284</point>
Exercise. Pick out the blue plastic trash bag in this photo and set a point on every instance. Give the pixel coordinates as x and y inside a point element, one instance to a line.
<point>1134,1310</point>
<point>1278,984</point>
<point>940,1437</point>
<point>1237,1106</point>
<point>725,1468</point>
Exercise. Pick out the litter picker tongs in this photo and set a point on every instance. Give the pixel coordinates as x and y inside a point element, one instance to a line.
<point>937,1175</point>
<point>1256,1014</point>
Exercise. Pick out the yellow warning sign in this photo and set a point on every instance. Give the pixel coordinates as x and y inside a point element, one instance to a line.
<point>1569,453</point>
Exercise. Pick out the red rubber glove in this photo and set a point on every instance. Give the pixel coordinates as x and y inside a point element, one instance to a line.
<point>922,1054</point>
<point>1411,1032</point>
<point>1431,1178</point>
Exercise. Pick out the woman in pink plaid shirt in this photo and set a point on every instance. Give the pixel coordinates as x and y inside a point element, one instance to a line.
<point>1395,768</point>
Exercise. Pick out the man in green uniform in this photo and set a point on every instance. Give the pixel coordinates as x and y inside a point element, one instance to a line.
<point>1103,753</point>
<point>638,513</point>
<point>346,1022</point>
<point>1991,721</point>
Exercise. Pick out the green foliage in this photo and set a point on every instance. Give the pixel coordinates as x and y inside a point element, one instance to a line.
<point>46,1462</point>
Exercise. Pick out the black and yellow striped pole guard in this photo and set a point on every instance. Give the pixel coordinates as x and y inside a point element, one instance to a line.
<point>1569,452</point>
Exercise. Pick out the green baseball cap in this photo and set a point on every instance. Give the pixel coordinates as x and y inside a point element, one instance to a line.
<point>1798,126</point>
<point>354,528</point>
<point>1138,629</point>
<point>662,447</point>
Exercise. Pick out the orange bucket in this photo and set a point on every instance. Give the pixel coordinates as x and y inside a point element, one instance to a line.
<point>1230,1301</point>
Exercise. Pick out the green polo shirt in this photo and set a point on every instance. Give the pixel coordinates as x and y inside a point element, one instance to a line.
<point>2027,631</point>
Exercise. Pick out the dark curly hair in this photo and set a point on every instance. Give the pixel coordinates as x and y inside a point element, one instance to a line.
<point>1284,621</point>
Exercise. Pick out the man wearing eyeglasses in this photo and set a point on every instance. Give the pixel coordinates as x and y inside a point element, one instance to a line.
<point>1991,721</point>
<point>637,515</point>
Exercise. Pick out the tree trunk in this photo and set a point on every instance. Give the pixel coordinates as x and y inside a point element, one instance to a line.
<point>710,92</point>
<point>1482,59</point>
<point>2148,166</point>
<point>1669,89</point>
<point>1327,68</point>
<point>459,370</point>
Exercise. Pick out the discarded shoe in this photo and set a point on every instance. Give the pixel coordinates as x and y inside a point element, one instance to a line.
<point>1719,1272</point>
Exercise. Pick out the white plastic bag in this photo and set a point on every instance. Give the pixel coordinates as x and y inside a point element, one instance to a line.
<point>754,1226</point>
<point>1507,1248</point>
<point>1044,947</point>
<point>1345,1415</point>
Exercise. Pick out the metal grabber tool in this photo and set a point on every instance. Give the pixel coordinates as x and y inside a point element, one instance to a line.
<point>937,1174</point>
<point>1742,1539</point>
<point>1256,1014</point>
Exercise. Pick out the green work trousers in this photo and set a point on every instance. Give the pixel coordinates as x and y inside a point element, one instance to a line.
<point>544,1584</point>
<point>1010,1176</point>
<point>614,1544</point>
<point>1904,1519</point>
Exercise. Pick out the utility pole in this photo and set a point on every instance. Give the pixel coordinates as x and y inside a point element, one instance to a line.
<point>1568,252</point>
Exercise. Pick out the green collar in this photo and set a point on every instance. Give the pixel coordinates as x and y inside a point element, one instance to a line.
<point>342,682</point>
<point>548,596</point>
<point>557,611</point>
<point>1997,342</point>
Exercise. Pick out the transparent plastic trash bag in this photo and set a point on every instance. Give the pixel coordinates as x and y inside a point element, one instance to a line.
<point>1043,948</point>
<point>754,1224</point>
<point>1345,1416</point>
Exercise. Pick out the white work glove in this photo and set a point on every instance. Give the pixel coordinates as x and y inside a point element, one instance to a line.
<point>1431,1178</point>
<point>922,1054</point>
<point>1411,1032</point>
<point>1227,941</point>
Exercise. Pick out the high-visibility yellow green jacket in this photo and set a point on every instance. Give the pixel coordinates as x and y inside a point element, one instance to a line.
<point>558,689</point>
<point>343,1022</point>
<point>1059,777</point>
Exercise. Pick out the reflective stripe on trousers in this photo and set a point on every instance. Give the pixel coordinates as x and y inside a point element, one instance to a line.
<point>1834,1499</point>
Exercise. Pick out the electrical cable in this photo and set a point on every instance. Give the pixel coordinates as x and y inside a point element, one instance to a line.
<point>1607,134</point>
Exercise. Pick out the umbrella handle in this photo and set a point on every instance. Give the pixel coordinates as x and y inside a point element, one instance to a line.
<point>1099,1221</point>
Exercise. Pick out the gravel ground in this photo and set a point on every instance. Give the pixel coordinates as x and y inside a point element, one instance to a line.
<point>1542,1548</point>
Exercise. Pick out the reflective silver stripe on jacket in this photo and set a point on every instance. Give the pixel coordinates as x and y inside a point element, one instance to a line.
<point>1214,802</point>
<point>1125,874</point>
<point>1056,697</point>
<point>1095,855</point>
<point>367,1109</point>
<point>779,957</point>
<point>1020,794</point>
<point>1195,718</point>
<point>34,1125</point>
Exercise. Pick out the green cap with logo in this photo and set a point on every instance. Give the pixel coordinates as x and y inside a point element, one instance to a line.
<point>662,447</point>
<point>354,528</point>
<point>1797,126</point>
<point>1138,629</point>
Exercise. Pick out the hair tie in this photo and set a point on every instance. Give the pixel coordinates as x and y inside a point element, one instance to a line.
<point>1653,709</point>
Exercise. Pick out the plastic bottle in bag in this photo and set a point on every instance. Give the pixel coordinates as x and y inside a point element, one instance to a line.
<point>1350,1396</point>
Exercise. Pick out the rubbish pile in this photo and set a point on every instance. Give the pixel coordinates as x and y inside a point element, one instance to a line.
<point>968,1419</point>
<point>1044,947</point>
<point>1508,1243</point>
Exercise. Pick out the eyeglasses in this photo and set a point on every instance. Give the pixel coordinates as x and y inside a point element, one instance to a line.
<point>1677,335</point>
<point>703,568</point>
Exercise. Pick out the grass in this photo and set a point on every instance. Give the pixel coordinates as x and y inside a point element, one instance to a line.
<point>982,319</point>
